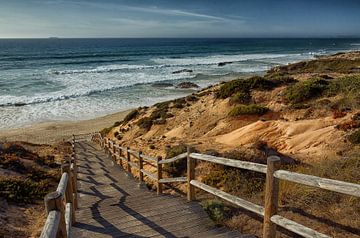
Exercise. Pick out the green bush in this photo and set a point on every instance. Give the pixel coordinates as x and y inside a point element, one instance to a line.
<point>240,98</point>
<point>256,82</point>
<point>178,167</point>
<point>215,209</point>
<point>162,105</point>
<point>117,123</point>
<point>105,131</point>
<point>355,137</point>
<point>235,181</point>
<point>132,115</point>
<point>251,109</point>
<point>13,164</point>
<point>305,90</point>
<point>145,123</point>
<point>192,98</point>
<point>23,191</point>
<point>300,106</point>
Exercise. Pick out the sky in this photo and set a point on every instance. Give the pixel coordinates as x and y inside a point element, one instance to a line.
<point>179,18</point>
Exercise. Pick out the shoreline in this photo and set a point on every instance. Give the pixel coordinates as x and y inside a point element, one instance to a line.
<point>57,131</point>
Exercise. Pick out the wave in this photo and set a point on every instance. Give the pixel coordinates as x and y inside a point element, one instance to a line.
<point>99,87</point>
<point>100,69</point>
<point>216,59</point>
<point>189,62</point>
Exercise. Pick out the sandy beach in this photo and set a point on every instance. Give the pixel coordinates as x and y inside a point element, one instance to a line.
<point>52,132</point>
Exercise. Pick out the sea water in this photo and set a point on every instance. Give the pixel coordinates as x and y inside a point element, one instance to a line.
<point>70,79</point>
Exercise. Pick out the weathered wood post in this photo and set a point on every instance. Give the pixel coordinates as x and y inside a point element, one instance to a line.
<point>53,202</point>
<point>108,146</point>
<point>159,175</point>
<point>271,197</point>
<point>73,170</point>
<point>69,196</point>
<point>190,176</point>
<point>141,166</point>
<point>113,156</point>
<point>128,160</point>
<point>120,155</point>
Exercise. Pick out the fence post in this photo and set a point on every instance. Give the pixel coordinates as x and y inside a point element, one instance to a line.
<point>141,165</point>
<point>113,154</point>
<point>128,160</point>
<point>53,202</point>
<point>69,198</point>
<point>190,176</point>
<point>73,170</point>
<point>120,160</point>
<point>159,175</point>
<point>271,197</point>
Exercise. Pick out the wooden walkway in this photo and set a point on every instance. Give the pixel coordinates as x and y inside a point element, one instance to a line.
<point>111,204</point>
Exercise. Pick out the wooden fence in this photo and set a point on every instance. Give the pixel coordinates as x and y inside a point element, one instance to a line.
<point>61,204</point>
<point>122,155</point>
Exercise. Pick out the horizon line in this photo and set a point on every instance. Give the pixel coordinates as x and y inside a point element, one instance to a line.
<point>244,37</point>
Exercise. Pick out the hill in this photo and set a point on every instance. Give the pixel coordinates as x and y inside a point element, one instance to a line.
<point>308,113</point>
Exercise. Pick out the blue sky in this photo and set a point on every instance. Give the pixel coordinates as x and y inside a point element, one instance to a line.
<point>180,18</point>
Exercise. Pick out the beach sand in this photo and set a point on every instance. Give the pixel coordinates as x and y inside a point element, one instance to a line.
<point>53,132</point>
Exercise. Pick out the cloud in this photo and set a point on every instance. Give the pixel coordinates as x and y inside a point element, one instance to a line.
<point>158,11</point>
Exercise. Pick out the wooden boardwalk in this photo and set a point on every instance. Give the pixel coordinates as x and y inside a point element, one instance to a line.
<point>111,204</point>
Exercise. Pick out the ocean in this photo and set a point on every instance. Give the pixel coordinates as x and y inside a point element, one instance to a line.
<point>71,79</point>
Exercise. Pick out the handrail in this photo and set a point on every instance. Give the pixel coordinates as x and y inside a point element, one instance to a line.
<point>173,159</point>
<point>328,184</point>
<point>61,204</point>
<point>231,162</point>
<point>271,169</point>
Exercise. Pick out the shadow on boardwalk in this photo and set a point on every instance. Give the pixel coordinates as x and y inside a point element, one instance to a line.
<point>113,205</point>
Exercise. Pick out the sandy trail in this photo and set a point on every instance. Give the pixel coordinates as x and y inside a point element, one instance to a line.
<point>52,132</point>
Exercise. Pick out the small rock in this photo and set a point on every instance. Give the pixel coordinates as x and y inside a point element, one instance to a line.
<point>182,71</point>
<point>187,85</point>
<point>162,85</point>
<point>224,63</point>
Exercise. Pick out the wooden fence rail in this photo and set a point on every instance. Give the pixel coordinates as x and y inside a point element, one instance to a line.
<point>271,169</point>
<point>61,204</point>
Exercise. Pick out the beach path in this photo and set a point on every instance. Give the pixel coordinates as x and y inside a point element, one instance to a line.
<point>112,204</point>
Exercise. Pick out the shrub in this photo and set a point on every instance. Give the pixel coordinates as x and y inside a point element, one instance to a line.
<point>23,191</point>
<point>355,137</point>
<point>12,163</point>
<point>132,115</point>
<point>300,106</point>
<point>341,65</point>
<point>256,82</point>
<point>252,109</point>
<point>229,88</point>
<point>235,181</point>
<point>192,98</point>
<point>215,209</point>
<point>105,131</point>
<point>145,123</point>
<point>178,167</point>
<point>305,90</point>
<point>240,98</point>
<point>117,123</point>
<point>162,105</point>
<point>279,79</point>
